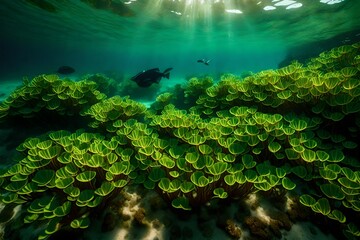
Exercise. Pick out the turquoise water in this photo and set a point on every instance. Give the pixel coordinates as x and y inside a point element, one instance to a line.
<point>38,39</point>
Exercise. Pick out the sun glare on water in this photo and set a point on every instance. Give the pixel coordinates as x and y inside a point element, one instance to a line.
<point>203,21</point>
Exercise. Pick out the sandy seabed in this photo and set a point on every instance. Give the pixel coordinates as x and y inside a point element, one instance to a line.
<point>150,218</point>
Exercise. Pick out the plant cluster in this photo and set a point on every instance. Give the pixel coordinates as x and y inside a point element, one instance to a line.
<point>108,113</point>
<point>105,84</point>
<point>63,176</point>
<point>292,129</point>
<point>327,85</point>
<point>48,94</point>
<point>318,140</point>
<point>184,96</point>
<point>333,94</point>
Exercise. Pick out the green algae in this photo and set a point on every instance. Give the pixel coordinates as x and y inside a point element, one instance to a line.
<point>272,131</point>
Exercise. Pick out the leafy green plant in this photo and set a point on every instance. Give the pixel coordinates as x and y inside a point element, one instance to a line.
<point>291,129</point>
<point>48,94</point>
<point>59,186</point>
<point>113,111</point>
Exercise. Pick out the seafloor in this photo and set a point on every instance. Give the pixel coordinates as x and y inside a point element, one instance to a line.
<point>269,155</point>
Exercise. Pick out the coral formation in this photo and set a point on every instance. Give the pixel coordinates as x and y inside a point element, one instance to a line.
<point>294,129</point>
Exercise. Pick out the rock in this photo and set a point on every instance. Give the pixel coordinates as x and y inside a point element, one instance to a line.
<point>139,216</point>
<point>257,228</point>
<point>117,205</point>
<point>283,220</point>
<point>232,229</point>
<point>125,217</point>
<point>275,227</point>
<point>156,224</point>
<point>126,196</point>
<point>254,205</point>
<point>297,211</point>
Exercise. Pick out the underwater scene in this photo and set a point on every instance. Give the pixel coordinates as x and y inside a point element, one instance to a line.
<point>180,119</point>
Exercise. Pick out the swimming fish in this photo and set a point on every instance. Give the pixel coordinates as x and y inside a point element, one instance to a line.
<point>65,70</point>
<point>204,61</point>
<point>148,77</point>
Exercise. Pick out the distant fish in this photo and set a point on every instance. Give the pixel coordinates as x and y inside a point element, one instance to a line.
<point>204,61</point>
<point>65,70</point>
<point>148,77</point>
